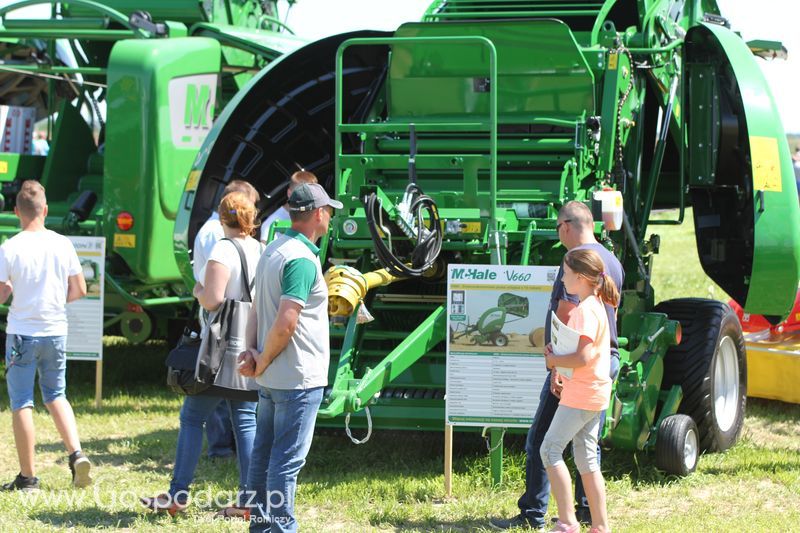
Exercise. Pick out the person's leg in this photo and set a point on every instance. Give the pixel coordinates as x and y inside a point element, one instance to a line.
<point>585,444</point>
<point>565,425</point>
<point>20,378</point>
<point>295,416</point>
<point>581,502</point>
<point>533,502</point>
<point>596,494</point>
<point>51,354</point>
<point>256,498</point>
<point>194,413</point>
<point>52,363</point>
<point>243,415</point>
<point>25,440</point>
<point>219,432</point>
<point>64,419</point>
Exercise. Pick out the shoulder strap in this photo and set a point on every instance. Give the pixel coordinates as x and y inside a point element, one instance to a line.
<point>246,292</point>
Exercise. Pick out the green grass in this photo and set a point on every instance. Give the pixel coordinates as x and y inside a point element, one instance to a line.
<point>676,269</point>
<point>394,482</point>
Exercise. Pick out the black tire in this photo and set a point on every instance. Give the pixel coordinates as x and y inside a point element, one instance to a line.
<point>677,445</point>
<point>715,399</point>
<point>501,340</point>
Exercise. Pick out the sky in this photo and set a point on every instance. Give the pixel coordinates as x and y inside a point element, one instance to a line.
<point>765,19</point>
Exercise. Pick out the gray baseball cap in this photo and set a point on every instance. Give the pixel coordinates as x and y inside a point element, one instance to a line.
<point>310,196</point>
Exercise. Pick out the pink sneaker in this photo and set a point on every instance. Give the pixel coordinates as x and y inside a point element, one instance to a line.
<point>561,527</point>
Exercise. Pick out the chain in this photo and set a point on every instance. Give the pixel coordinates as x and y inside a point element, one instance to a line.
<point>618,148</point>
<point>369,428</point>
<point>488,442</point>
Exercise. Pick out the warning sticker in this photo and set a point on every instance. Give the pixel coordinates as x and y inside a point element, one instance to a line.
<point>124,241</point>
<point>766,164</point>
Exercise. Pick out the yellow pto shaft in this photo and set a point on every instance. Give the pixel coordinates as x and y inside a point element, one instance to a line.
<point>347,287</point>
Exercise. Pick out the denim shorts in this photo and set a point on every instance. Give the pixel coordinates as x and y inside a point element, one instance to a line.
<point>24,356</point>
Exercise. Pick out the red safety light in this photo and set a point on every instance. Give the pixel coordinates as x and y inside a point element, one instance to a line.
<point>124,221</point>
<point>678,334</point>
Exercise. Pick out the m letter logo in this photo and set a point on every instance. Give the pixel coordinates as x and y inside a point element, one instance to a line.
<point>191,108</point>
<point>197,103</point>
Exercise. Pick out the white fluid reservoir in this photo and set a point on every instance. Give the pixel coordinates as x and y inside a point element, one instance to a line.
<point>611,207</point>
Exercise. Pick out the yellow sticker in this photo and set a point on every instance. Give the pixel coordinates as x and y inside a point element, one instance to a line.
<point>766,164</point>
<point>191,182</point>
<point>471,227</point>
<point>124,241</point>
<point>612,60</point>
<point>3,167</point>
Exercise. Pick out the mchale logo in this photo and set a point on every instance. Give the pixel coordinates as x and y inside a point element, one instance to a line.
<point>473,274</point>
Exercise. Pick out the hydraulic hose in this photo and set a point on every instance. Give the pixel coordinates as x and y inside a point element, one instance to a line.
<point>429,237</point>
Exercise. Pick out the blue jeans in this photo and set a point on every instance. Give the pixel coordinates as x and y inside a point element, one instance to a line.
<point>219,432</point>
<point>286,421</point>
<point>24,356</point>
<point>194,414</point>
<point>533,502</point>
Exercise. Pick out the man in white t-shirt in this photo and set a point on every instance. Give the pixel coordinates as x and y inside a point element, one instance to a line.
<point>42,270</point>
<point>282,213</point>
<point>219,431</point>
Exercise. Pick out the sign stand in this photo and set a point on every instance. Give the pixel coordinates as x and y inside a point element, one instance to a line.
<point>496,322</point>
<point>448,459</point>
<point>85,316</point>
<point>496,456</point>
<point>98,384</point>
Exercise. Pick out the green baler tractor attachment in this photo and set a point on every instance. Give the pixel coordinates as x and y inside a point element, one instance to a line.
<point>498,113</point>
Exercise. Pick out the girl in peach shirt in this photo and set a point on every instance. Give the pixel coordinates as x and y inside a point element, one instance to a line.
<point>585,395</point>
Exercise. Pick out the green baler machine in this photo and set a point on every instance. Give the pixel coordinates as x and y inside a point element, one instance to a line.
<point>457,139</point>
<point>127,92</point>
<point>489,327</point>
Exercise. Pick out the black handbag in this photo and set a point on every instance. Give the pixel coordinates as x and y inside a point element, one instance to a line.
<point>182,360</point>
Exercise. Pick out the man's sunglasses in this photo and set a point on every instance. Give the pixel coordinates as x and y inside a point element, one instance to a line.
<point>558,226</point>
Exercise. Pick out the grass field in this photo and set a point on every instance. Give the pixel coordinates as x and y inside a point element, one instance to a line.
<point>394,482</point>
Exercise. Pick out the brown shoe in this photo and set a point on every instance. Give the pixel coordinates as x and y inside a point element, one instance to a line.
<point>234,513</point>
<point>164,503</point>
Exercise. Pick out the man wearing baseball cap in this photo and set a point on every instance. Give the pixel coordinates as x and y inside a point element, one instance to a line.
<point>288,353</point>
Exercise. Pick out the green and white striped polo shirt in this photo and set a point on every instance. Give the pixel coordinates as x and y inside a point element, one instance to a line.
<point>290,269</point>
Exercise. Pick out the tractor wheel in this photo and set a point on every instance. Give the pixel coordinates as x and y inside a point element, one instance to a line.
<point>501,340</point>
<point>473,340</point>
<point>710,365</point>
<point>677,445</point>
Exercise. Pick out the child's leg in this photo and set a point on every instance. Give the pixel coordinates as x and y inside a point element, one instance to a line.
<point>585,448</point>
<point>24,439</point>
<point>53,383</point>
<point>561,485</point>
<point>64,419</point>
<point>565,425</point>
<point>595,487</point>
<point>20,376</point>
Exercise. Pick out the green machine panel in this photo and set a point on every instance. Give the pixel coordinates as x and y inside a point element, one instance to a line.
<point>161,98</point>
<point>740,171</point>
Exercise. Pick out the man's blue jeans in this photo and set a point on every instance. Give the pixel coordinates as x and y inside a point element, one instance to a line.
<point>195,412</point>
<point>533,502</point>
<point>219,432</point>
<point>286,421</point>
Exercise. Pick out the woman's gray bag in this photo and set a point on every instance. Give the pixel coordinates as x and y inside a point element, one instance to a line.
<point>222,343</point>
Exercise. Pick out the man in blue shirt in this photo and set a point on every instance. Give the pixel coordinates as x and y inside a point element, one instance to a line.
<point>575,227</point>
